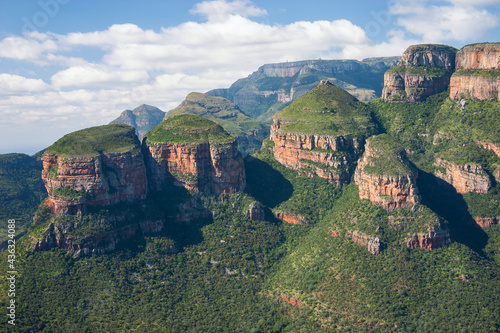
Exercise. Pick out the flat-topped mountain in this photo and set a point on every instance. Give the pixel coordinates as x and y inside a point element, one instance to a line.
<point>322,132</point>
<point>143,118</point>
<point>195,153</point>
<point>274,86</point>
<point>248,132</point>
<point>423,70</point>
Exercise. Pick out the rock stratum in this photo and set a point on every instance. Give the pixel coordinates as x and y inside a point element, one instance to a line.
<point>194,153</point>
<point>384,175</point>
<point>322,133</point>
<point>464,178</point>
<point>423,70</point>
<point>103,166</point>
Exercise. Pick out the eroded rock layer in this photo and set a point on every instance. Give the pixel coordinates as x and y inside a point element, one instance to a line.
<point>74,183</point>
<point>478,73</point>
<point>464,178</point>
<point>424,70</point>
<point>384,175</point>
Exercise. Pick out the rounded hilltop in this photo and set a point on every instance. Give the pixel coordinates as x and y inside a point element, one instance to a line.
<point>386,157</point>
<point>188,129</point>
<point>96,140</point>
<point>326,110</point>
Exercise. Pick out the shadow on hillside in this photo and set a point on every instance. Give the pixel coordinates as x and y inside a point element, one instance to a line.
<point>265,183</point>
<point>444,200</point>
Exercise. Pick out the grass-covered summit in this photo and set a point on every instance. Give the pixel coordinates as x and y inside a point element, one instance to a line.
<point>388,157</point>
<point>95,140</point>
<point>188,129</point>
<point>327,110</point>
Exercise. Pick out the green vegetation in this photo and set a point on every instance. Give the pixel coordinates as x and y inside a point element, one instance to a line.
<point>327,110</point>
<point>488,73</point>
<point>421,71</point>
<point>69,193</point>
<point>96,140</point>
<point>248,132</point>
<point>388,159</point>
<point>21,191</point>
<point>188,129</point>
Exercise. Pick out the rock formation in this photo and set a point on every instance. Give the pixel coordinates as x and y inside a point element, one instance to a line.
<point>94,178</point>
<point>487,222</point>
<point>200,156</point>
<point>423,70</point>
<point>464,178</point>
<point>384,175</point>
<point>433,239</point>
<point>478,72</point>
<point>256,212</point>
<point>143,118</point>
<point>310,135</point>
<point>290,218</point>
<point>372,243</point>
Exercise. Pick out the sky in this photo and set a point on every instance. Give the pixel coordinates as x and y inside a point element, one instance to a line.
<point>71,64</point>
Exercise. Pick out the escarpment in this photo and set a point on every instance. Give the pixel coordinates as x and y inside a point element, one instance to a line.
<point>322,133</point>
<point>384,175</point>
<point>194,153</point>
<point>464,178</point>
<point>423,70</point>
<point>99,166</point>
<point>478,73</point>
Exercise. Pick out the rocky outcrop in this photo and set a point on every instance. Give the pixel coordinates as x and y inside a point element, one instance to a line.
<point>60,235</point>
<point>74,183</point>
<point>372,243</point>
<point>256,212</point>
<point>490,146</point>
<point>433,239</point>
<point>290,218</point>
<point>292,301</point>
<point>478,73</point>
<point>487,222</point>
<point>209,168</point>
<point>384,175</point>
<point>423,70</point>
<point>297,152</point>
<point>464,178</point>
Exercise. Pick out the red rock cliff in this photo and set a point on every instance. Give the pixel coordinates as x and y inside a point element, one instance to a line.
<point>434,239</point>
<point>478,73</point>
<point>390,190</point>
<point>74,183</point>
<point>210,168</point>
<point>464,178</point>
<point>424,70</point>
<point>295,151</point>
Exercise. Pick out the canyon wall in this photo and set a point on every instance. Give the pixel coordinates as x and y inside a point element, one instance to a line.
<point>209,168</point>
<point>464,178</point>
<point>423,70</point>
<point>478,73</point>
<point>74,183</point>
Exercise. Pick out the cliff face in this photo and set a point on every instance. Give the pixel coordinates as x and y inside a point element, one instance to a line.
<point>296,151</point>
<point>210,168</point>
<point>290,218</point>
<point>384,177</point>
<point>487,222</point>
<point>424,70</point>
<point>373,244</point>
<point>428,241</point>
<point>74,183</point>
<point>464,178</point>
<point>478,73</point>
<point>60,235</point>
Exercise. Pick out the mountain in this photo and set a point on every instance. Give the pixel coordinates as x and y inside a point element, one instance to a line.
<point>352,216</point>
<point>21,190</point>
<point>248,132</point>
<point>143,118</point>
<point>274,86</point>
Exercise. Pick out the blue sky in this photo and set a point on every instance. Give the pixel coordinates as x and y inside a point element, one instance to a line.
<point>71,64</point>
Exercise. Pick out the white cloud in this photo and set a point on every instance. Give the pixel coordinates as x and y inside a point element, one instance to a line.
<point>96,76</point>
<point>458,20</point>
<point>220,10</point>
<point>15,84</point>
